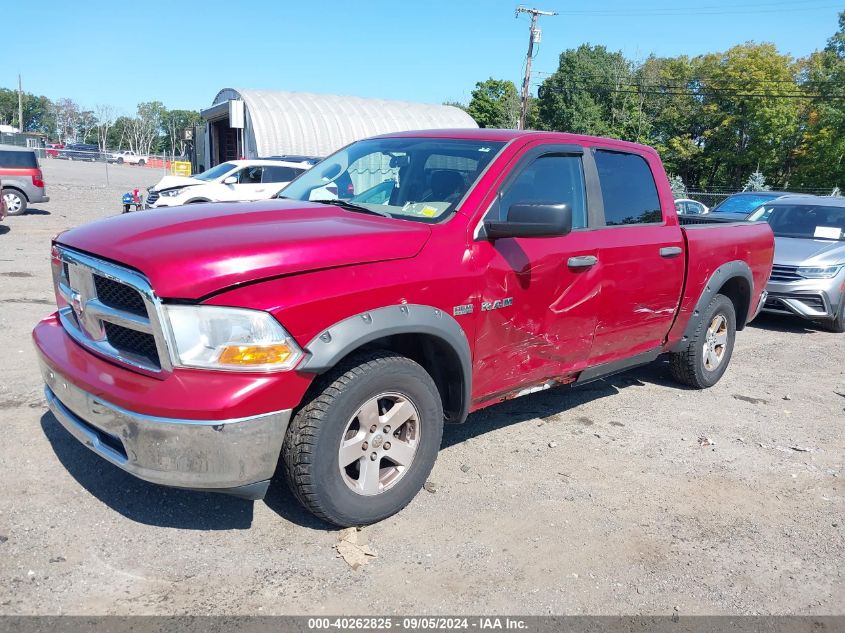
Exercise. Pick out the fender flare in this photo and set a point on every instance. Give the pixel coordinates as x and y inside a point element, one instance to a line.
<point>719,278</point>
<point>337,341</point>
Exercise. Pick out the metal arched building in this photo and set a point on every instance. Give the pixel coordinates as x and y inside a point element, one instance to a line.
<point>263,123</point>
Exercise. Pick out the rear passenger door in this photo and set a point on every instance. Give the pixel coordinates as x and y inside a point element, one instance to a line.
<point>641,256</point>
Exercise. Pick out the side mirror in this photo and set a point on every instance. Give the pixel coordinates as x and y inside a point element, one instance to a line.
<point>532,219</point>
<point>230,180</point>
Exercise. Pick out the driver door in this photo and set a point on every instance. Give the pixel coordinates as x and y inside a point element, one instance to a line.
<point>538,295</point>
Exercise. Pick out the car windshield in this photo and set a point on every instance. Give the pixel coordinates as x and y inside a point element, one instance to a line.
<point>215,172</point>
<point>744,203</point>
<point>419,179</point>
<point>803,220</point>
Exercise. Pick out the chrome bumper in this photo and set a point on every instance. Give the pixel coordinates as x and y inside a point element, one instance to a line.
<point>236,456</point>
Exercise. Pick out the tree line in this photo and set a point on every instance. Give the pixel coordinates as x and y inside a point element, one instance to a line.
<point>153,129</point>
<point>715,118</point>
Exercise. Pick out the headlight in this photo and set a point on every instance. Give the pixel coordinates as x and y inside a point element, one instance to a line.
<point>213,337</point>
<point>819,272</point>
<point>170,193</point>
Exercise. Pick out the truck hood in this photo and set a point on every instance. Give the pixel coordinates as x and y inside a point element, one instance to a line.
<point>196,250</point>
<point>793,251</point>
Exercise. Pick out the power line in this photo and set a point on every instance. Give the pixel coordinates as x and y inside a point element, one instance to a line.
<point>533,38</point>
<point>714,10</point>
<point>672,92</point>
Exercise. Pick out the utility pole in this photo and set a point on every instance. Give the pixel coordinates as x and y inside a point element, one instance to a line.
<point>533,38</point>
<point>20,105</point>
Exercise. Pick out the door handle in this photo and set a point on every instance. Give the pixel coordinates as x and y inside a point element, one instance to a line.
<point>582,261</point>
<point>670,251</point>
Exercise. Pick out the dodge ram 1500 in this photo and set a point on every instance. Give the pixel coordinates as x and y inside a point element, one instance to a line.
<point>200,347</point>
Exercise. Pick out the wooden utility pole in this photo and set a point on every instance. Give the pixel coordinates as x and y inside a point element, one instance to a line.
<point>533,37</point>
<point>20,105</point>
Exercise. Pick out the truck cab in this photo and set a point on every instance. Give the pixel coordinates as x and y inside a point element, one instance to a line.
<point>335,335</point>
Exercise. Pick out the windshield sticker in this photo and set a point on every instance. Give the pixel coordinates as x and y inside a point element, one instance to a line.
<point>828,232</point>
<point>484,149</point>
<point>428,212</point>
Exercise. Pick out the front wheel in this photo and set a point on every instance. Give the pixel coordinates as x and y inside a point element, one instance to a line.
<point>708,352</point>
<point>141,162</point>
<point>837,324</point>
<point>15,202</point>
<point>361,449</point>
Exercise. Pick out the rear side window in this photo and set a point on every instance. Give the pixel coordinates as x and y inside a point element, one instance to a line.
<point>627,189</point>
<point>17,160</point>
<point>273,173</point>
<point>555,178</point>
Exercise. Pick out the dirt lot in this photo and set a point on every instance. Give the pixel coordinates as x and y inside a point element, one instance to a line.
<point>600,500</point>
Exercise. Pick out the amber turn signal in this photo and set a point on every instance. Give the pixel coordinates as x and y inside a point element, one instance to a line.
<point>247,355</point>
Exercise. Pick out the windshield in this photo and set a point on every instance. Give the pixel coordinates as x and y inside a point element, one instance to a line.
<point>215,172</point>
<point>744,203</point>
<point>803,220</point>
<point>420,179</point>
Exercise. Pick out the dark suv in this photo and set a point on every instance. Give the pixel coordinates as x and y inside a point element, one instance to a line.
<point>21,178</point>
<point>81,151</point>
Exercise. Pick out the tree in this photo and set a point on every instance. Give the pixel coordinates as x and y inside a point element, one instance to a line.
<point>756,182</point>
<point>145,128</point>
<point>174,123</point>
<point>66,114</point>
<point>494,103</point>
<point>679,189</point>
<point>591,93</point>
<point>106,115</point>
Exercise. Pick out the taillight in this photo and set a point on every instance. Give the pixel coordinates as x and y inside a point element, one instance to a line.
<point>38,179</point>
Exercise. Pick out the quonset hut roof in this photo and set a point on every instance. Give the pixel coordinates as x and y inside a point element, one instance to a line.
<point>311,124</point>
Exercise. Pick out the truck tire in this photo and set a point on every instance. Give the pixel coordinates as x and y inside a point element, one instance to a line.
<point>141,162</point>
<point>119,160</point>
<point>381,406</point>
<point>707,354</point>
<point>15,202</point>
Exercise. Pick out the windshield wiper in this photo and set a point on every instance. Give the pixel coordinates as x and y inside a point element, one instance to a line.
<point>343,204</point>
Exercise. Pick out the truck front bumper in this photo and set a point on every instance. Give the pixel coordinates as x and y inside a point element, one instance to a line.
<point>236,456</point>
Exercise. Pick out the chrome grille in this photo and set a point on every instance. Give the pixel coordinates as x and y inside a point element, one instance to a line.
<point>785,273</point>
<point>111,310</point>
<point>152,196</point>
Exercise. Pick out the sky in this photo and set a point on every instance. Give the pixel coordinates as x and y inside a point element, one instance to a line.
<point>182,52</point>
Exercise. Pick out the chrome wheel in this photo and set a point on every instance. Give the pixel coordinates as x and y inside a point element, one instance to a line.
<point>14,204</point>
<point>715,342</point>
<point>379,444</point>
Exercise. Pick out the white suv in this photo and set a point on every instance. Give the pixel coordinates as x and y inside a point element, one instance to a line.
<point>233,181</point>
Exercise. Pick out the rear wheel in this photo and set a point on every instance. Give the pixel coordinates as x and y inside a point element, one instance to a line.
<point>362,448</point>
<point>707,354</point>
<point>120,160</point>
<point>141,162</point>
<point>15,202</point>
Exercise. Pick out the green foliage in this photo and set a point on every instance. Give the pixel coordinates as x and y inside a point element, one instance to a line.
<point>494,103</point>
<point>714,118</point>
<point>679,189</point>
<point>756,182</point>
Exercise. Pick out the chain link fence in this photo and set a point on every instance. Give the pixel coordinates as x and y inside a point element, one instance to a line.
<point>713,197</point>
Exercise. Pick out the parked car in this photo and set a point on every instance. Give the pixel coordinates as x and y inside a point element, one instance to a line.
<point>808,276</point>
<point>237,180</point>
<point>192,347</point>
<point>2,204</point>
<point>738,206</point>
<point>129,157</point>
<point>23,181</point>
<point>52,150</point>
<point>81,151</point>
<point>687,206</point>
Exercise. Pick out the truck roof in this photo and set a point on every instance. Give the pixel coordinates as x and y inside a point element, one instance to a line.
<point>494,134</point>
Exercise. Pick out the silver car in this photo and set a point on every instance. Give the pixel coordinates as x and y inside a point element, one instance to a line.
<point>808,276</point>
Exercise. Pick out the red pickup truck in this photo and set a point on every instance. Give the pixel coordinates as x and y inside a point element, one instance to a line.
<point>339,327</point>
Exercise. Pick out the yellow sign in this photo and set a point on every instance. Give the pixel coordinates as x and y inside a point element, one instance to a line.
<point>180,168</point>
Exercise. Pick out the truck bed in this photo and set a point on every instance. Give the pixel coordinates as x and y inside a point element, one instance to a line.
<point>710,245</point>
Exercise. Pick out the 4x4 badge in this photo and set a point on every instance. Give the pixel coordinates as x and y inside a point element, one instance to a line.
<point>464,309</point>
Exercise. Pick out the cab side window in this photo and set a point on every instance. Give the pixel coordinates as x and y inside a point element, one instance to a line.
<point>627,189</point>
<point>250,176</point>
<point>553,178</point>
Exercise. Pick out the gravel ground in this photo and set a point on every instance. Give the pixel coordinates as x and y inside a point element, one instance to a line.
<point>602,500</point>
